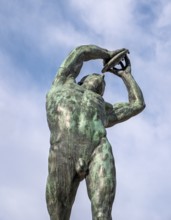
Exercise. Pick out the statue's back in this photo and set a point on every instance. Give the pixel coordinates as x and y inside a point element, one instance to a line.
<point>75,117</point>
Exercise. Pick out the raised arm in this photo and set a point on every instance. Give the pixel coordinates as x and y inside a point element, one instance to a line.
<point>123,111</point>
<point>71,66</point>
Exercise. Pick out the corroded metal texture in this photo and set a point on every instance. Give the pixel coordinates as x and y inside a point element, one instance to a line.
<point>77,117</point>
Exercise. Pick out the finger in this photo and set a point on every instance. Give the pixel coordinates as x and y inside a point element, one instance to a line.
<point>113,70</point>
<point>121,64</point>
<point>127,60</point>
<point>105,61</point>
<point>116,71</point>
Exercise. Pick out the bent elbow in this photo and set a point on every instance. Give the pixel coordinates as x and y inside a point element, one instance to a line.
<point>142,106</point>
<point>139,107</point>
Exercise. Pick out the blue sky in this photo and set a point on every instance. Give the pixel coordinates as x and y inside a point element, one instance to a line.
<point>35,37</point>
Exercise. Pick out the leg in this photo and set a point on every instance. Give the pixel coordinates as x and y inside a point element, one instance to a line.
<point>59,204</point>
<point>101,181</point>
<point>61,188</point>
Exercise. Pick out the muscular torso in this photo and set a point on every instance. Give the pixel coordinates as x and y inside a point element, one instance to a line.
<point>76,118</point>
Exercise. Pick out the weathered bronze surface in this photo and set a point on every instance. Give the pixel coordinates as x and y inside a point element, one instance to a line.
<point>77,117</point>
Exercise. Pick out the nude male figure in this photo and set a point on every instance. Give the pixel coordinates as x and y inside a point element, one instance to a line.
<point>77,117</point>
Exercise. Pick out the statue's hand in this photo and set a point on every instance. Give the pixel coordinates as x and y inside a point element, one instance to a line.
<point>111,55</point>
<point>115,59</point>
<point>125,67</point>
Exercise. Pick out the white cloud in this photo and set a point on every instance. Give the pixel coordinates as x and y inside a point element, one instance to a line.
<point>165,15</point>
<point>64,34</point>
<point>19,203</point>
<point>109,20</point>
<point>24,147</point>
<point>142,159</point>
<point>104,16</point>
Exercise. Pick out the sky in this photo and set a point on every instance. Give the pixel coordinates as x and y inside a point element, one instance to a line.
<point>35,37</point>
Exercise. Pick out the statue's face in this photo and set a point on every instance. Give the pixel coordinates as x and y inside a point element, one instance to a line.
<point>95,83</point>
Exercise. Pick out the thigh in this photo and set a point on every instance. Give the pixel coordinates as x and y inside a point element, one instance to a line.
<point>59,202</point>
<point>61,188</point>
<point>101,180</point>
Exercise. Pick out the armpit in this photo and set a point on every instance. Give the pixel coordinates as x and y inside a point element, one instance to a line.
<point>110,115</point>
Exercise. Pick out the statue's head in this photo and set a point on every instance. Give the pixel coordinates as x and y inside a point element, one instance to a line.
<point>94,82</point>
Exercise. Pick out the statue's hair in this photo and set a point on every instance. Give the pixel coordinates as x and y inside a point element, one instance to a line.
<point>82,80</point>
<point>97,83</point>
<point>85,77</point>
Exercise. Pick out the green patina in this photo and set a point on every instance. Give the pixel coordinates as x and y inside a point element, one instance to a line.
<point>77,116</point>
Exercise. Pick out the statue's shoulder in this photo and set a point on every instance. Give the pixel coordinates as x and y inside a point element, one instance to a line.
<point>69,89</point>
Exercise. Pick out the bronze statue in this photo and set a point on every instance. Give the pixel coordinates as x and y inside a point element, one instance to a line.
<point>77,117</point>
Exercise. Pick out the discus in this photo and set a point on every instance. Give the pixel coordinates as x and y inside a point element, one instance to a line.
<point>115,60</point>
